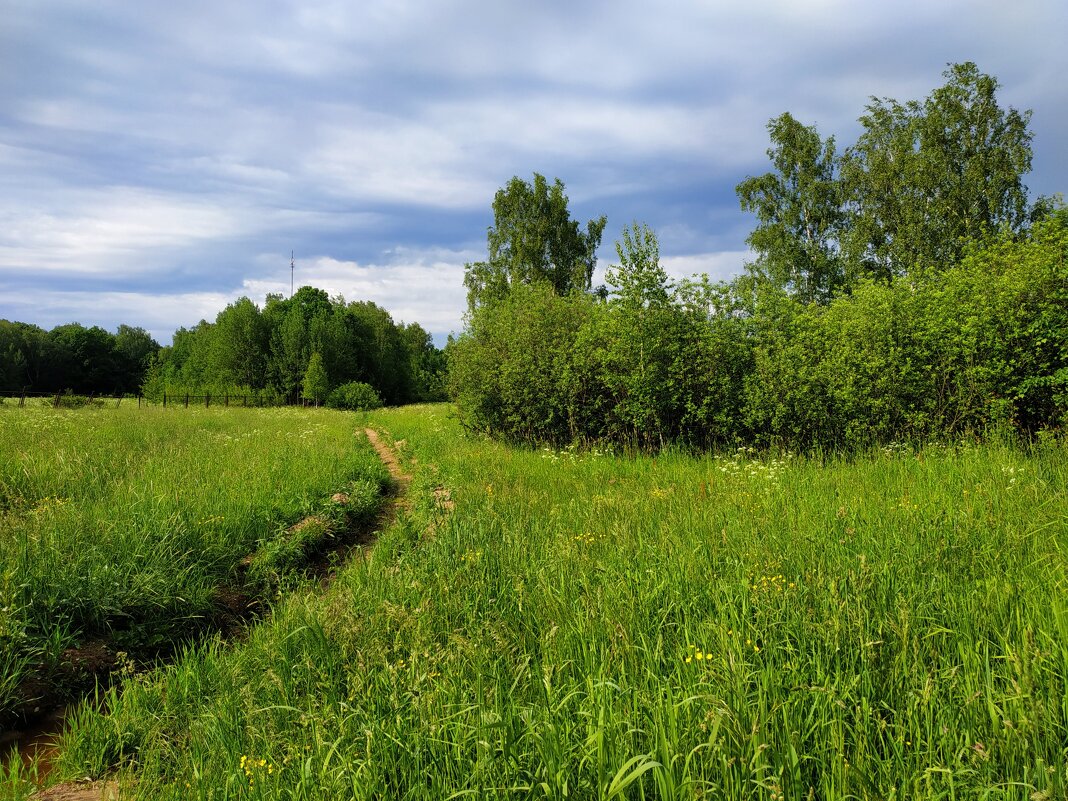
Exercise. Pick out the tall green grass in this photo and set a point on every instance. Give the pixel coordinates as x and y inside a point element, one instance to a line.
<point>124,522</point>
<point>585,626</point>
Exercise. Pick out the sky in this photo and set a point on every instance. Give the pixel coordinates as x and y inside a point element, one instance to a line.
<point>159,160</point>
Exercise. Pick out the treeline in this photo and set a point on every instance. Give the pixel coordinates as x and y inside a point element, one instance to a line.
<point>309,346</point>
<point>906,289</point>
<point>88,361</point>
<point>305,348</point>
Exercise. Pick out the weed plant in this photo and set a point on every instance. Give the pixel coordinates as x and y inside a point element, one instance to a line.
<point>741,626</point>
<point>123,523</point>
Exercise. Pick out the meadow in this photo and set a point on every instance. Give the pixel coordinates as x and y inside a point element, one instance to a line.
<point>570,624</point>
<point>133,530</point>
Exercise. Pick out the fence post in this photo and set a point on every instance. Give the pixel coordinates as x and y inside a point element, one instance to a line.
<point>22,400</point>
<point>164,400</point>
<point>138,401</point>
<point>207,400</point>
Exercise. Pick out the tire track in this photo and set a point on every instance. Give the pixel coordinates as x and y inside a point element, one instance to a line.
<point>107,790</point>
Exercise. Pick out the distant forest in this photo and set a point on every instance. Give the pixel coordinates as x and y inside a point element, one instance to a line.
<point>75,358</point>
<point>307,347</point>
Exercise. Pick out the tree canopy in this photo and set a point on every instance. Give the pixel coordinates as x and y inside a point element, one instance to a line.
<point>800,213</point>
<point>533,240</point>
<point>904,288</point>
<point>73,357</point>
<point>924,179</point>
<point>303,346</point>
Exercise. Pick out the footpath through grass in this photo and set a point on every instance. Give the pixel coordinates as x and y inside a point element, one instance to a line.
<point>586,626</point>
<point>123,524</point>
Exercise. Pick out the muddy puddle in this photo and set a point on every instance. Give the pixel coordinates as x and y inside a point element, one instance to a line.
<point>37,741</point>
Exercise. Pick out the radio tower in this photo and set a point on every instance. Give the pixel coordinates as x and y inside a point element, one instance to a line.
<point>292,272</point>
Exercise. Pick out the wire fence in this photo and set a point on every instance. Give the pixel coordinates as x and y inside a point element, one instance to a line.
<point>70,400</point>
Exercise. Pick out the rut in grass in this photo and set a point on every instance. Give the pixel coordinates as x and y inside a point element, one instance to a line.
<point>37,746</point>
<point>390,459</point>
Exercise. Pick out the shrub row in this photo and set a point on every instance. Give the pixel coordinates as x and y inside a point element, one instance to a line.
<point>981,344</point>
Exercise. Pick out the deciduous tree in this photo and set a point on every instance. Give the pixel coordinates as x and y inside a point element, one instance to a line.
<point>316,382</point>
<point>533,239</point>
<point>926,177</point>
<point>799,213</point>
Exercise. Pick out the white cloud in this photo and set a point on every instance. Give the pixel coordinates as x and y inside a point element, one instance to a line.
<point>138,141</point>
<point>720,266</point>
<point>158,314</point>
<point>108,231</point>
<point>382,159</point>
<point>414,286</point>
<point>581,127</point>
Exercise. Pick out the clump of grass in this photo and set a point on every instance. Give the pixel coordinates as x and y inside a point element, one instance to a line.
<point>742,627</point>
<point>122,523</point>
<point>281,555</point>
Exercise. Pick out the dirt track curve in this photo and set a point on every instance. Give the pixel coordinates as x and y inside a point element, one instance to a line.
<point>108,790</point>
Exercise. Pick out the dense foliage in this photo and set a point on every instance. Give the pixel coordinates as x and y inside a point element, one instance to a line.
<point>922,180</point>
<point>300,347</point>
<point>904,291</point>
<point>533,239</point>
<point>72,357</point>
<point>984,345</point>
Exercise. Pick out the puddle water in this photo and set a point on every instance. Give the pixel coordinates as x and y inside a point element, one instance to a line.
<point>37,741</point>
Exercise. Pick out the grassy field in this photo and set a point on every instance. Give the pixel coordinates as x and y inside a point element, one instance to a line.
<point>123,524</point>
<point>578,625</point>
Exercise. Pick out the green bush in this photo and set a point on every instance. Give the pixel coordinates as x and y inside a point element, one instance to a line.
<point>72,401</point>
<point>355,396</point>
<point>978,346</point>
<point>509,373</point>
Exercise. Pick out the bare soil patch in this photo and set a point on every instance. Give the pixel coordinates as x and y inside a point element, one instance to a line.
<point>80,791</point>
<point>389,458</point>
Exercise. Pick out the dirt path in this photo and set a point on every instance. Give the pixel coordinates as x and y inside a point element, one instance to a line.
<point>83,791</point>
<point>108,790</point>
<point>390,459</point>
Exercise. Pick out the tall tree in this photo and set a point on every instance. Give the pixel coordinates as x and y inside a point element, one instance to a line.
<point>427,363</point>
<point>240,345</point>
<point>799,213</point>
<point>289,352</point>
<point>923,178</point>
<point>533,239</point>
<point>385,358</point>
<point>638,281</point>
<point>316,382</point>
<point>190,353</point>
<point>639,329</point>
<point>85,357</point>
<point>134,351</point>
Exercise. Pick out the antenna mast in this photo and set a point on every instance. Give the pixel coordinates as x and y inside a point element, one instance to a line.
<point>292,271</point>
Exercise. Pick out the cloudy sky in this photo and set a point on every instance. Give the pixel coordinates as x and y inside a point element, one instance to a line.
<point>159,160</point>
